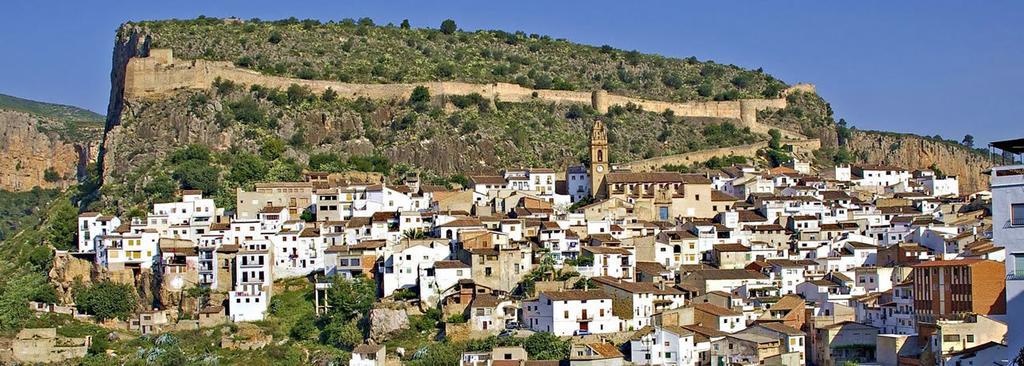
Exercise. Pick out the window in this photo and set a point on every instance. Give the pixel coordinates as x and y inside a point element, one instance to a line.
<point>970,338</point>
<point>1017,214</point>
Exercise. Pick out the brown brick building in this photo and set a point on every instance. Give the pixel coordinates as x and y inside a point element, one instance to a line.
<point>951,287</point>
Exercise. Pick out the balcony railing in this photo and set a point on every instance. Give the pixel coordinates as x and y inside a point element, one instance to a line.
<point>1015,276</point>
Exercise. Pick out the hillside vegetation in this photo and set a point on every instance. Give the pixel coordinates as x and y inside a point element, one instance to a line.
<point>72,124</point>
<point>50,110</point>
<point>361,52</point>
<point>244,134</point>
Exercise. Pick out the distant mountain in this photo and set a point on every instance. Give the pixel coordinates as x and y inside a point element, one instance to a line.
<point>59,112</point>
<point>45,145</point>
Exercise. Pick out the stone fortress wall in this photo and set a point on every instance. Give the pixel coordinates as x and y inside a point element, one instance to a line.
<point>805,146</point>
<point>160,73</point>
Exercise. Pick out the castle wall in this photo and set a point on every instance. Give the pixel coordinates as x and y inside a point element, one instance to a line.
<point>159,74</point>
<point>653,164</point>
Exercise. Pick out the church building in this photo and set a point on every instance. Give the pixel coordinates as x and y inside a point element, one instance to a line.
<point>661,196</point>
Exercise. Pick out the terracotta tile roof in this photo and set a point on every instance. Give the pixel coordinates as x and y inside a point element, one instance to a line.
<point>719,196</point>
<point>463,222</point>
<point>576,295</point>
<point>272,209</point>
<point>450,264</point>
<point>606,250</point>
<point>605,350</point>
<point>782,328</point>
<point>484,301</point>
<point>731,247</point>
<point>716,310</point>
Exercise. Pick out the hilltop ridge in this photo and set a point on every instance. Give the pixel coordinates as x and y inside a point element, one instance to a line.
<point>494,100</point>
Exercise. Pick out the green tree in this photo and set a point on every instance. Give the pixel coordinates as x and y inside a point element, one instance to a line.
<point>160,188</point>
<point>107,300</point>
<point>546,346</point>
<point>448,26</point>
<point>405,24</point>
<point>247,168</point>
<point>775,142</point>
<point>272,148</point>
<point>285,170</point>
<point>195,174</point>
<point>307,216</point>
<point>968,140</point>
<point>62,225</point>
<point>351,298</point>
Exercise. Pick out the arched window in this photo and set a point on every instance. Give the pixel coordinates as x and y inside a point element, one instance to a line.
<point>600,156</point>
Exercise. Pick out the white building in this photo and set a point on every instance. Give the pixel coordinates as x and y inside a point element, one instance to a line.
<point>92,225</point>
<point>251,295</point>
<point>401,268</point>
<point>572,312</point>
<point>577,180</point>
<point>1007,186</point>
<point>663,345</point>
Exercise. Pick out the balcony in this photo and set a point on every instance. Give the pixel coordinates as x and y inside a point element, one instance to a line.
<point>1015,276</point>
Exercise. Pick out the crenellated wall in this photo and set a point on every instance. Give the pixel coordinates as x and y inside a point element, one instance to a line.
<point>159,73</point>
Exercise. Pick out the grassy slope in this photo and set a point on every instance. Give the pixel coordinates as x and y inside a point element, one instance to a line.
<point>50,110</point>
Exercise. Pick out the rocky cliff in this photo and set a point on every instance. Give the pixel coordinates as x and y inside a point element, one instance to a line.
<point>32,146</point>
<point>916,152</point>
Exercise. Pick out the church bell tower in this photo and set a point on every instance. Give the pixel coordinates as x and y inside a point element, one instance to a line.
<point>598,158</point>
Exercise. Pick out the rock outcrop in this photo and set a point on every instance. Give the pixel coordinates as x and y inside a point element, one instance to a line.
<point>386,322</point>
<point>67,271</point>
<point>915,152</point>
<point>29,152</point>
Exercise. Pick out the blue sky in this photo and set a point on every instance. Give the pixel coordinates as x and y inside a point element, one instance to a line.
<point>926,67</point>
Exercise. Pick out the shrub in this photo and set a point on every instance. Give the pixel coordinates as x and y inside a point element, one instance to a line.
<point>272,148</point>
<point>329,95</point>
<point>248,111</point>
<point>107,300</point>
<point>275,37</point>
<point>457,318</point>
<point>190,152</point>
<point>298,93</point>
<point>51,175</point>
<point>420,94</point>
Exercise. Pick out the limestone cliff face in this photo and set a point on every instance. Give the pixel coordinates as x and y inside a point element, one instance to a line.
<point>915,152</point>
<point>67,271</point>
<point>28,151</point>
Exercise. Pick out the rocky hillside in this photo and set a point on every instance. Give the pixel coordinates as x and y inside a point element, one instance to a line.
<point>43,148</point>
<point>276,110</point>
<point>917,152</point>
